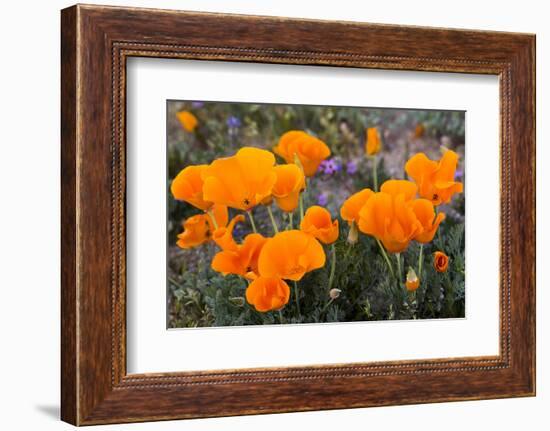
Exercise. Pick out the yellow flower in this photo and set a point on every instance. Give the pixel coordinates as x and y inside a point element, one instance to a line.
<point>290,254</point>
<point>241,181</point>
<point>317,222</point>
<point>199,228</point>
<point>188,121</point>
<point>374,143</point>
<point>286,190</point>
<point>267,294</point>
<point>435,179</point>
<point>187,186</point>
<point>309,150</point>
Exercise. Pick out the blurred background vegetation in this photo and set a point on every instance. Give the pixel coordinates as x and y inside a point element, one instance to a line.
<point>199,296</point>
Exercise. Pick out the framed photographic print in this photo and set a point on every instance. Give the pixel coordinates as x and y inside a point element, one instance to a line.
<point>268,215</point>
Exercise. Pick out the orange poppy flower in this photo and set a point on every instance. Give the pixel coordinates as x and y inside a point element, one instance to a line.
<point>388,215</point>
<point>286,190</point>
<point>188,121</point>
<point>412,281</point>
<point>187,186</point>
<point>317,222</point>
<point>419,130</point>
<point>435,180</point>
<point>373,141</point>
<point>241,181</point>
<point>267,294</point>
<point>198,229</point>
<point>223,236</point>
<point>309,150</point>
<point>441,261</point>
<point>290,254</point>
<point>352,205</point>
<point>242,260</point>
<point>425,213</point>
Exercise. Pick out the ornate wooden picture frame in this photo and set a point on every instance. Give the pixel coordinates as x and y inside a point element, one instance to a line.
<point>96,41</point>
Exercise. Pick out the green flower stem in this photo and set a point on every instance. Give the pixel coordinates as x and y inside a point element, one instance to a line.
<point>290,220</point>
<point>301,206</point>
<point>297,298</point>
<point>275,228</point>
<point>326,306</point>
<point>211,214</point>
<point>420,259</point>
<point>398,257</point>
<point>281,317</point>
<point>385,256</point>
<point>251,218</point>
<point>332,266</point>
<point>375,172</point>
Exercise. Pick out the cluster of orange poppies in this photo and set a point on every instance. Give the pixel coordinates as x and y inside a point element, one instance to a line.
<point>400,212</point>
<point>403,211</point>
<point>243,181</point>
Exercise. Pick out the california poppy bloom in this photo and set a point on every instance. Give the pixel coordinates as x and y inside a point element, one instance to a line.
<point>199,228</point>
<point>290,254</point>
<point>419,130</point>
<point>242,260</point>
<point>373,142</point>
<point>388,215</point>
<point>352,205</point>
<point>266,293</point>
<point>435,179</point>
<point>241,181</point>
<point>288,186</point>
<point>412,281</point>
<point>441,261</point>
<point>223,235</point>
<point>188,121</point>
<point>317,222</point>
<point>187,186</point>
<point>425,213</point>
<point>309,150</point>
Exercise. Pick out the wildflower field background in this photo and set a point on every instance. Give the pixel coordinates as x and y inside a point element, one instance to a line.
<point>364,275</point>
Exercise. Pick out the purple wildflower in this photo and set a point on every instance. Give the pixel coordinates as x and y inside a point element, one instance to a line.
<point>197,104</point>
<point>351,167</point>
<point>329,167</point>
<point>233,122</point>
<point>322,199</point>
<point>459,174</point>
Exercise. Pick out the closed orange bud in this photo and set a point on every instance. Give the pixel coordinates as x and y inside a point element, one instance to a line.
<point>288,186</point>
<point>241,181</point>
<point>188,185</point>
<point>441,261</point>
<point>412,281</point>
<point>290,254</point>
<point>309,150</point>
<point>317,222</point>
<point>188,121</point>
<point>435,179</point>
<point>373,142</point>
<point>267,294</point>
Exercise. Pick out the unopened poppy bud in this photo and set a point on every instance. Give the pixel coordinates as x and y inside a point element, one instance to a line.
<point>334,293</point>
<point>353,234</point>
<point>412,281</point>
<point>237,301</point>
<point>441,261</point>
